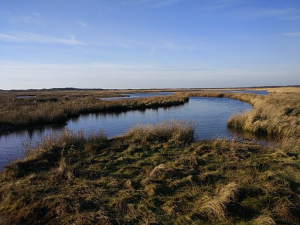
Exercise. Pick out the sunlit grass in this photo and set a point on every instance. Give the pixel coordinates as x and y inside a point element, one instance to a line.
<point>157,173</point>
<point>58,107</point>
<point>150,176</point>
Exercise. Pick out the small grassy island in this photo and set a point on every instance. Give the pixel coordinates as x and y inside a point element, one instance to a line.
<point>155,174</point>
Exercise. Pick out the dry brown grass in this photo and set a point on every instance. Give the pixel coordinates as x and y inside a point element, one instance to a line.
<point>277,115</point>
<point>75,179</point>
<point>284,90</point>
<point>245,97</point>
<point>58,107</point>
<point>150,176</point>
<point>180,132</point>
<point>215,208</point>
<point>264,220</point>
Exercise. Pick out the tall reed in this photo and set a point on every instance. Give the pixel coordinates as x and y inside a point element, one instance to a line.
<point>178,131</point>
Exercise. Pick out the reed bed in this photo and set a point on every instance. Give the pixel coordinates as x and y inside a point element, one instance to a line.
<point>245,97</point>
<point>73,178</point>
<point>58,107</point>
<point>179,131</point>
<point>157,174</point>
<point>277,115</point>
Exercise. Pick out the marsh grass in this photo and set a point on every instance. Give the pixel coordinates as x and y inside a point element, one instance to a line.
<point>245,97</point>
<point>178,131</point>
<point>157,174</point>
<point>277,115</point>
<point>73,178</point>
<point>58,107</point>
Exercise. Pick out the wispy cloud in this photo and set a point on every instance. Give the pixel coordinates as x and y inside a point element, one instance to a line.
<point>292,34</point>
<point>218,5</point>
<point>34,18</point>
<point>22,75</point>
<point>82,24</point>
<point>168,44</point>
<point>112,42</point>
<point>286,13</point>
<point>36,38</point>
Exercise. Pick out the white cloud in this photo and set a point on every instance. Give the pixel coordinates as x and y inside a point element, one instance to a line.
<point>286,13</point>
<point>82,24</point>
<point>11,38</point>
<point>34,18</point>
<point>168,44</point>
<point>292,34</point>
<point>36,38</point>
<point>218,4</point>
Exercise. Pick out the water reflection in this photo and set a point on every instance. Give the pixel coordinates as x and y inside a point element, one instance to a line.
<point>243,135</point>
<point>12,144</point>
<point>208,114</point>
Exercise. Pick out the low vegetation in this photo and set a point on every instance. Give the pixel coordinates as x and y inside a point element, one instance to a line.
<point>245,97</point>
<point>54,108</point>
<point>154,174</point>
<point>158,174</point>
<point>276,114</point>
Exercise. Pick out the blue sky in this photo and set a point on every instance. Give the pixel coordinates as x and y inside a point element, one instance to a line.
<point>149,43</point>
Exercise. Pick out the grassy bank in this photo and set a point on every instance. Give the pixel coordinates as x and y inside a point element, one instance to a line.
<point>54,108</point>
<point>276,115</point>
<point>154,174</point>
<point>245,97</point>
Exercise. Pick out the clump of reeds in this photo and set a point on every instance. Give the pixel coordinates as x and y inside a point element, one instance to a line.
<point>63,140</point>
<point>276,115</point>
<point>264,220</point>
<point>55,151</point>
<point>215,208</point>
<point>177,131</point>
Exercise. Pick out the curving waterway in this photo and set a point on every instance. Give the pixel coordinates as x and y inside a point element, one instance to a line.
<point>208,114</point>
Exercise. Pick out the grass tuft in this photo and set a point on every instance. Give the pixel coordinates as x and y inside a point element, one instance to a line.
<point>156,174</point>
<point>180,132</point>
<point>264,220</point>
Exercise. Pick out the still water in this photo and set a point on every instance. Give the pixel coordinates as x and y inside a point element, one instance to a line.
<point>208,114</point>
<point>140,95</point>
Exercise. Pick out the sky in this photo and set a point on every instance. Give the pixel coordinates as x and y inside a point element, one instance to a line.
<point>149,43</point>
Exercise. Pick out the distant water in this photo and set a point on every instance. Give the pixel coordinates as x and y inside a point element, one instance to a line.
<point>26,96</point>
<point>140,95</point>
<point>208,114</point>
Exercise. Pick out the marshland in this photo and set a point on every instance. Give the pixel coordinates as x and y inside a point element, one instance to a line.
<point>157,173</point>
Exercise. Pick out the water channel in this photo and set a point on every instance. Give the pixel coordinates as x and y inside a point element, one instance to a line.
<point>208,114</point>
